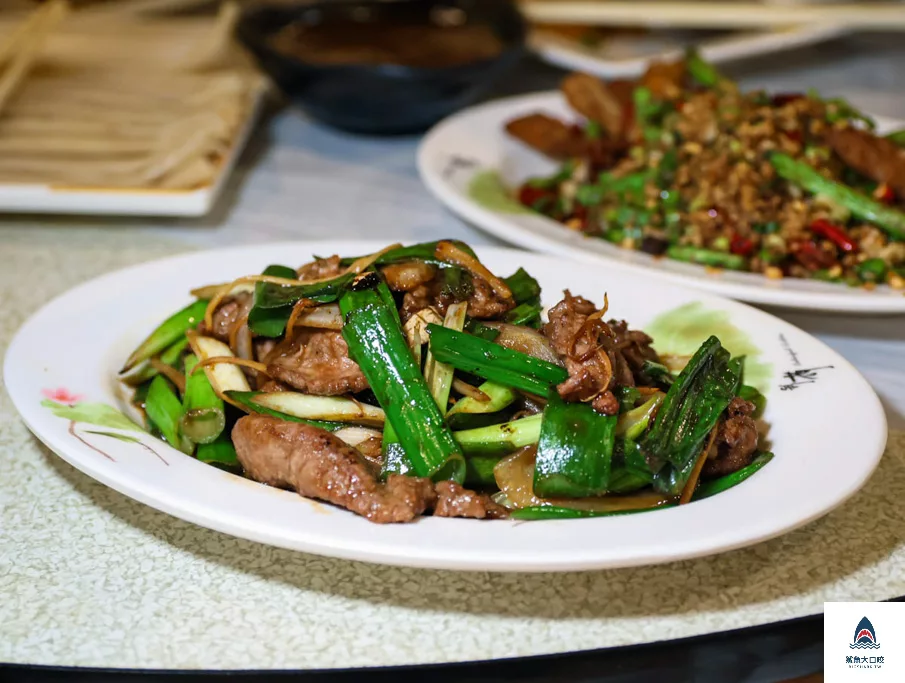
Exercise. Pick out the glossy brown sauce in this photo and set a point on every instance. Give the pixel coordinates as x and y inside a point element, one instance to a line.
<point>373,43</point>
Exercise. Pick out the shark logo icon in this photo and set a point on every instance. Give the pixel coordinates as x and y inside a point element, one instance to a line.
<point>865,636</point>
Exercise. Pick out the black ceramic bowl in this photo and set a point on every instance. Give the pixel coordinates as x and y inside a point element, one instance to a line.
<point>381,98</point>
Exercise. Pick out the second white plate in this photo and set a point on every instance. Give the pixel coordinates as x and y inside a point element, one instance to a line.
<point>628,56</point>
<point>468,161</point>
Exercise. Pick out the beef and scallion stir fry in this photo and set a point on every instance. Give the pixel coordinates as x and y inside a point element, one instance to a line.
<point>416,381</point>
<point>682,163</point>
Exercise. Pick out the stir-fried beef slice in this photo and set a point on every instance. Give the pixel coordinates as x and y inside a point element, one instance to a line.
<point>591,98</point>
<point>566,319</point>
<point>317,464</point>
<point>453,500</point>
<point>598,356</point>
<point>228,313</point>
<point>423,296</point>
<point>590,366</point>
<point>549,136</point>
<point>736,440</point>
<point>270,386</point>
<point>486,304</point>
<point>876,157</point>
<point>483,302</point>
<point>634,347</point>
<point>316,362</point>
<point>320,268</point>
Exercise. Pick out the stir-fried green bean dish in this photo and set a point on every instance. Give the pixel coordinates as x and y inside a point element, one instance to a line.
<point>682,164</point>
<point>415,381</point>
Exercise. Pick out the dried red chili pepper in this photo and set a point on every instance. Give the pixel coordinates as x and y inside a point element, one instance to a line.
<point>741,245</point>
<point>529,196</point>
<point>812,257</point>
<point>884,193</point>
<point>834,233</point>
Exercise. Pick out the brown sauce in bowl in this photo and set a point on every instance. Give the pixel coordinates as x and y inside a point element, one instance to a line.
<point>372,43</point>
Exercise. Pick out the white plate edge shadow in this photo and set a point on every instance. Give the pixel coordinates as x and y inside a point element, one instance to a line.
<point>88,462</point>
<point>548,236</point>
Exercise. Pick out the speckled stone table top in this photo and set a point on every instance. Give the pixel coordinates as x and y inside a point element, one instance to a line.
<point>89,577</point>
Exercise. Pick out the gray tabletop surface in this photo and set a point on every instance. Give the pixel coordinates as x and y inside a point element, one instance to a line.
<point>90,577</point>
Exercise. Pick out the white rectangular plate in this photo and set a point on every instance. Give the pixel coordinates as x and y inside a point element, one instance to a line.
<point>120,201</point>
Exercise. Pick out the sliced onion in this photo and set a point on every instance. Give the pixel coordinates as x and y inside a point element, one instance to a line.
<point>404,277</point>
<point>354,436</point>
<point>526,340</point>
<point>514,475</point>
<point>326,317</point>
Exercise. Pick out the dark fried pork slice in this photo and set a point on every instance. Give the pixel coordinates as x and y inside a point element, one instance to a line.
<point>591,98</point>
<point>317,464</point>
<point>320,268</point>
<point>316,362</point>
<point>548,136</point>
<point>876,157</point>
<point>453,500</point>
<point>598,356</point>
<point>228,313</point>
<point>736,440</point>
<point>665,80</point>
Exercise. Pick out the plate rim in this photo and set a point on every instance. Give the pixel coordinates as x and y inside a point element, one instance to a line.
<point>200,515</point>
<point>721,50</point>
<point>499,225</point>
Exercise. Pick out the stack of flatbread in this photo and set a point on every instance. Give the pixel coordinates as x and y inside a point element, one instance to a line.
<point>95,98</point>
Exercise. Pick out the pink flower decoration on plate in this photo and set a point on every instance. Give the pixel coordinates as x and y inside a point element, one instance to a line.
<point>62,395</point>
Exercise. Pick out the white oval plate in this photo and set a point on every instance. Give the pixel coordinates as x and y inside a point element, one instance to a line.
<point>827,426</point>
<point>468,160</point>
<point>629,56</point>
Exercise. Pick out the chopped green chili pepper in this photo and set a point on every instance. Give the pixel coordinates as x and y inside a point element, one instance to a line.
<point>220,452</point>
<point>539,512</point>
<point>702,71</point>
<point>377,344</point>
<point>167,333</point>
<point>493,362</point>
<point>164,410</point>
<point>203,413</point>
<point>711,488</point>
<point>500,439</point>
<point>707,257</point>
<point>888,219</point>
<point>479,470</point>
<point>575,451</point>
<point>872,270</point>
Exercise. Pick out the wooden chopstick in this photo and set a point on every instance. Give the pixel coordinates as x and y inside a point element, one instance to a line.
<point>727,15</point>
